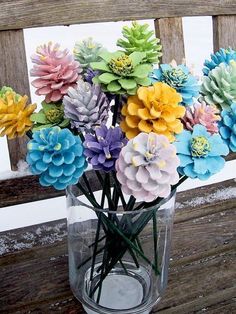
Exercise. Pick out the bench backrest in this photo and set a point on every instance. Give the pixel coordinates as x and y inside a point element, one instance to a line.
<point>19,14</point>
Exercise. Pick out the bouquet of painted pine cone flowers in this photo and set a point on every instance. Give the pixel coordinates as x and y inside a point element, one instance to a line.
<point>143,127</point>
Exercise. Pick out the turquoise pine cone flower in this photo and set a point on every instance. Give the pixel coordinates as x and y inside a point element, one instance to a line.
<point>200,153</point>
<point>221,56</point>
<point>180,79</point>
<point>227,127</point>
<point>56,155</point>
<point>140,38</point>
<point>219,87</point>
<point>120,73</point>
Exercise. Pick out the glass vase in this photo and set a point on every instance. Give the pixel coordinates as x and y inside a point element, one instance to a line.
<point>118,260</point>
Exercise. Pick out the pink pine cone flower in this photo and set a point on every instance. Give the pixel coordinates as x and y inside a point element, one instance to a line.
<point>147,167</point>
<point>56,70</point>
<point>201,113</point>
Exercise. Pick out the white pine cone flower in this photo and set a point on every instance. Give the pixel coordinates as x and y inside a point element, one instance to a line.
<point>147,167</point>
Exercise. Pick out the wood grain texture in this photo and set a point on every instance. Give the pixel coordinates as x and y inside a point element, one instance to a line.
<point>170,32</point>
<point>27,189</point>
<point>224,32</point>
<point>34,13</point>
<point>13,69</point>
<point>202,270</point>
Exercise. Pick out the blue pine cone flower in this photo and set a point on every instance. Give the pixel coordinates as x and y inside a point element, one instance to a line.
<point>227,127</point>
<point>56,155</point>
<point>200,153</point>
<point>221,56</point>
<point>180,79</point>
<point>103,148</point>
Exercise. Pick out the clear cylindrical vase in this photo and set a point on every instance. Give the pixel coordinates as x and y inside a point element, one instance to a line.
<point>118,260</point>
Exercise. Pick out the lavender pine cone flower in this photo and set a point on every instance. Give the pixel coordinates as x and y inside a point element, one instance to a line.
<point>147,167</point>
<point>86,106</point>
<point>103,148</point>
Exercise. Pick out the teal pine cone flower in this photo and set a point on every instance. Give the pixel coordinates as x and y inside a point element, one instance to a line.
<point>120,73</point>
<point>179,78</point>
<point>56,155</point>
<point>219,87</point>
<point>227,127</point>
<point>200,153</point>
<point>139,38</point>
<point>221,56</point>
<point>50,115</point>
<point>87,51</point>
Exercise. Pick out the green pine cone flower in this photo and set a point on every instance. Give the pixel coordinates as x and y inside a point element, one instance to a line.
<point>5,89</point>
<point>120,73</point>
<point>219,87</point>
<point>50,115</point>
<point>139,38</point>
<point>87,51</point>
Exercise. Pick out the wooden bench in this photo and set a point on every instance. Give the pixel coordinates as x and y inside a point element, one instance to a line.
<point>34,260</point>
<point>34,274</point>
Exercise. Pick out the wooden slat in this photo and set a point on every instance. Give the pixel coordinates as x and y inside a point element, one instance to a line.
<point>25,13</point>
<point>170,32</point>
<point>202,270</point>
<point>224,32</point>
<point>20,190</point>
<point>13,69</point>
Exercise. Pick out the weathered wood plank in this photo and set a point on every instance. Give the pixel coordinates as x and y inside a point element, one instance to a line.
<point>51,288</point>
<point>197,256</point>
<point>33,13</point>
<point>13,69</point>
<point>27,189</point>
<point>23,190</point>
<point>224,32</point>
<point>170,32</point>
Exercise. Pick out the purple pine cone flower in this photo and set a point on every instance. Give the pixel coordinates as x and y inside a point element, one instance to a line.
<point>103,148</point>
<point>90,74</point>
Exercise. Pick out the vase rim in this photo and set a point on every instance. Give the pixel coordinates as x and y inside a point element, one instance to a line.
<point>163,201</point>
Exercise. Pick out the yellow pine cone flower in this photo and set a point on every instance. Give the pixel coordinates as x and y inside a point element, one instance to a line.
<point>153,109</point>
<point>15,115</point>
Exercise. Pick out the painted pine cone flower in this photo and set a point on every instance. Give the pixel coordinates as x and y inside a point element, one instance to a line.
<point>87,51</point>
<point>200,153</point>
<point>147,167</point>
<point>6,89</point>
<point>220,85</point>
<point>57,157</point>
<point>56,70</point>
<point>15,115</point>
<point>228,127</point>
<point>50,115</point>
<point>180,79</point>
<point>154,109</point>
<point>221,56</point>
<point>139,38</point>
<point>120,73</point>
<point>201,113</point>
<point>103,148</point>
<point>89,75</point>
<point>86,106</point>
